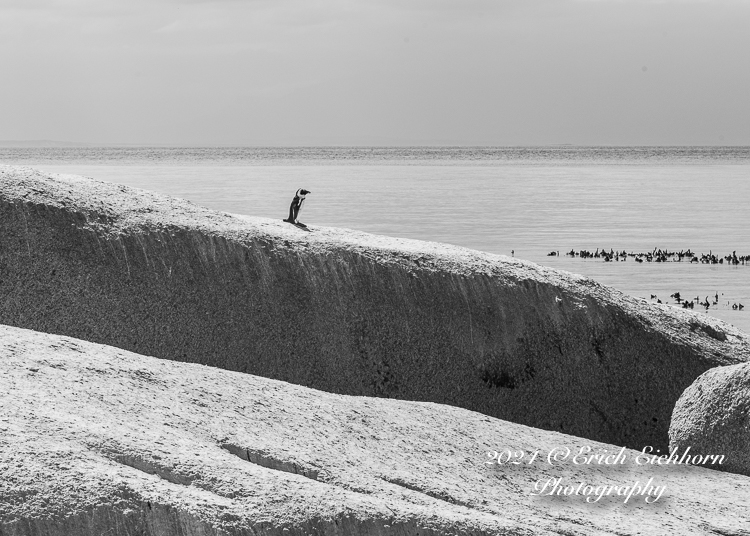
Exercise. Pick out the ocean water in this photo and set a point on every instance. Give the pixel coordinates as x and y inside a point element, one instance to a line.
<point>529,201</point>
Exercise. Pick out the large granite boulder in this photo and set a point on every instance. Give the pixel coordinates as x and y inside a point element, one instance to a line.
<point>95,440</point>
<point>712,418</point>
<point>345,311</point>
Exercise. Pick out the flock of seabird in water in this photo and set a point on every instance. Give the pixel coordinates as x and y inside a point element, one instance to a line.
<point>690,304</point>
<point>659,255</point>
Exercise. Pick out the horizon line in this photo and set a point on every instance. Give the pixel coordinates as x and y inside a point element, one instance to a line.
<point>57,144</point>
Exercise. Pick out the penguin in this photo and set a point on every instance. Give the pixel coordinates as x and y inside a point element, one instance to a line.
<point>296,206</point>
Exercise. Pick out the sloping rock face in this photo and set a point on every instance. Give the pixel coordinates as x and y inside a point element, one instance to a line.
<point>347,312</point>
<point>712,418</point>
<point>97,440</point>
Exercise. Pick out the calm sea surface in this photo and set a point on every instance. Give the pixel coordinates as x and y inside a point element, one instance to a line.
<point>528,200</point>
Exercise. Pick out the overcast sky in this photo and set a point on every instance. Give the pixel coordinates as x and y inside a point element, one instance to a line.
<point>377,72</point>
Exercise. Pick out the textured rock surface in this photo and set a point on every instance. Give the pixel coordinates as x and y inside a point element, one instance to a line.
<point>712,417</point>
<point>97,440</point>
<point>347,312</point>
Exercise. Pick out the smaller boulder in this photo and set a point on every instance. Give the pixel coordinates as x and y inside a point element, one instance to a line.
<point>712,418</point>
